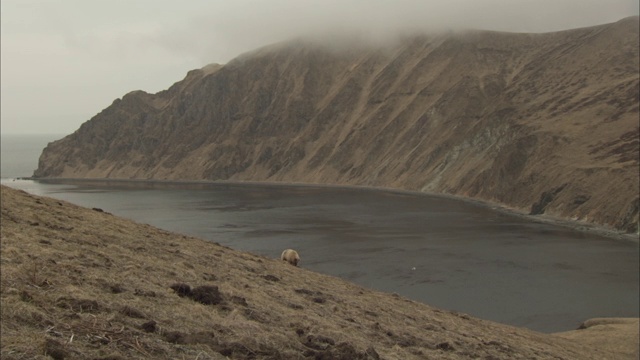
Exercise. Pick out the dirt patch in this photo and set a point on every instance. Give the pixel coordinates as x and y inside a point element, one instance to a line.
<point>206,294</point>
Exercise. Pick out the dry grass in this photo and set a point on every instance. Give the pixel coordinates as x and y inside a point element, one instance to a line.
<point>80,283</point>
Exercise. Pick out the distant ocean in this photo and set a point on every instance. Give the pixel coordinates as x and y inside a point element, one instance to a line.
<point>19,154</point>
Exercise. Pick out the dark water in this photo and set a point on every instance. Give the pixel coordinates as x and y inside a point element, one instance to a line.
<point>443,252</point>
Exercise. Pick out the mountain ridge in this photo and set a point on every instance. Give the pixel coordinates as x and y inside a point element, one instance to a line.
<point>541,123</point>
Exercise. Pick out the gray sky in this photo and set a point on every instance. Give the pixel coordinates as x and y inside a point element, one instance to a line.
<point>63,61</point>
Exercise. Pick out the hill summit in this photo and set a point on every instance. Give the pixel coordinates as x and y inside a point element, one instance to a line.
<point>540,123</point>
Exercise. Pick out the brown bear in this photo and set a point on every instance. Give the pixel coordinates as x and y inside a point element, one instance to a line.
<point>290,256</point>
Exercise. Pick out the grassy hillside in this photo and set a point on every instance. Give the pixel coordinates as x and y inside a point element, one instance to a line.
<point>80,283</point>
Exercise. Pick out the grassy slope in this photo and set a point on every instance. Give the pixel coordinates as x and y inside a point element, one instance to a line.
<point>81,283</point>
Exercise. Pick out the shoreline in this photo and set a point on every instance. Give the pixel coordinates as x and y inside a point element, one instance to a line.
<point>575,225</point>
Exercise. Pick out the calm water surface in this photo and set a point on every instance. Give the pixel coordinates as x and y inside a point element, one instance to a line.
<point>443,252</point>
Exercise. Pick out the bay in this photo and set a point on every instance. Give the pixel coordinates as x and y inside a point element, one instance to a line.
<point>444,252</point>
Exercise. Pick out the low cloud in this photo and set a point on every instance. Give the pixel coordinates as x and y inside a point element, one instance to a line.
<point>222,33</point>
<point>99,50</point>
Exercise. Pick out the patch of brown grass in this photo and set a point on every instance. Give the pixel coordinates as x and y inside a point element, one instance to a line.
<point>80,283</point>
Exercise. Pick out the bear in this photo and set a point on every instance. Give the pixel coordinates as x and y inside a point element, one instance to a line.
<point>290,256</point>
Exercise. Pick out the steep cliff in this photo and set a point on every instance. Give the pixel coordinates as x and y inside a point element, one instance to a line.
<point>542,123</point>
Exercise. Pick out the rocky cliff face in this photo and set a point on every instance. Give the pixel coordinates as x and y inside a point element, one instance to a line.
<point>542,123</point>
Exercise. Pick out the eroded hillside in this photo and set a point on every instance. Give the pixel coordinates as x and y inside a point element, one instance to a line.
<point>541,123</point>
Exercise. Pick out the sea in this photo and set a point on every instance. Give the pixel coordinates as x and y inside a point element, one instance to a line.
<point>451,254</point>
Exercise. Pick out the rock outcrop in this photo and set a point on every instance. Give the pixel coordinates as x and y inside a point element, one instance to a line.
<point>540,123</point>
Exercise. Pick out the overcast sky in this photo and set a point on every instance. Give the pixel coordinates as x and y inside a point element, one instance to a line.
<point>63,61</point>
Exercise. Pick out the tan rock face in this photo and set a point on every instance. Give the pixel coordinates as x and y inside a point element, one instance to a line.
<point>541,123</point>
